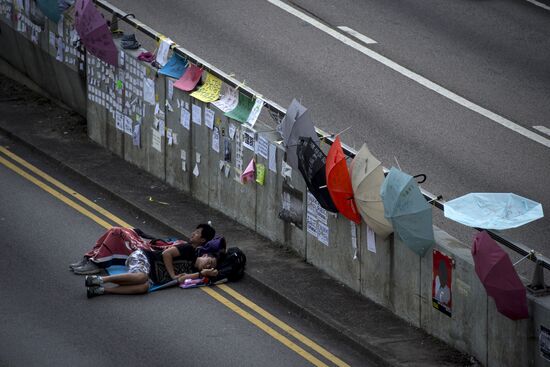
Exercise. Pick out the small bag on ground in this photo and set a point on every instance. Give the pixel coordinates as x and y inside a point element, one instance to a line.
<point>232,266</point>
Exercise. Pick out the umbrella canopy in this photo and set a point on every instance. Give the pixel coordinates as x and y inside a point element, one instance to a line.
<point>292,113</point>
<point>339,182</point>
<point>296,124</point>
<point>493,210</point>
<point>311,163</point>
<point>367,177</point>
<point>408,211</point>
<point>94,33</point>
<point>50,8</point>
<point>498,276</point>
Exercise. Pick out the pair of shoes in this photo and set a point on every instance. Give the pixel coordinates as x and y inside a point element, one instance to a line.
<point>92,292</point>
<point>129,41</point>
<point>79,264</point>
<point>88,268</point>
<point>93,281</point>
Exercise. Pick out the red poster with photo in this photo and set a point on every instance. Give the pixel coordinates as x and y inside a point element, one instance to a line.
<point>442,276</point>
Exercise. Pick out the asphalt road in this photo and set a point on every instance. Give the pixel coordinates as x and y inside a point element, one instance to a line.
<point>47,320</point>
<point>494,54</point>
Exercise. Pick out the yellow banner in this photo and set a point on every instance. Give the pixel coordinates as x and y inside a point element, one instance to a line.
<point>210,90</point>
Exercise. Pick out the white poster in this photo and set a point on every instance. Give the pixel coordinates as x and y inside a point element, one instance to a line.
<point>216,140</point>
<point>228,100</point>
<point>162,52</point>
<point>196,113</point>
<point>273,158</point>
<point>209,118</point>
<point>149,90</point>
<point>185,118</point>
<point>262,147</point>
<point>255,112</point>
<point>156,142</point>
<point>371,240</point>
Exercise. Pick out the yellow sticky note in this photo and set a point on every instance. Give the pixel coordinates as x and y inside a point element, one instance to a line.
<point>260,173</point>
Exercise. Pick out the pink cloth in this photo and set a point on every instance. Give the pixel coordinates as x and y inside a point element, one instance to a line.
<point>119,243</point>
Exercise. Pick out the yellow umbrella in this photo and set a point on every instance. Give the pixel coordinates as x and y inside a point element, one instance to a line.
<point>367,176</point>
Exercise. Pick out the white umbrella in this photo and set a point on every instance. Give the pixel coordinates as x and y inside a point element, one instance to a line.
<point>367,177</point>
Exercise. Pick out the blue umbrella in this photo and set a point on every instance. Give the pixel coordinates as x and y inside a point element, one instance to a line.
<point>50,8</point>
<point>493,210</point>
<point>408,211</point>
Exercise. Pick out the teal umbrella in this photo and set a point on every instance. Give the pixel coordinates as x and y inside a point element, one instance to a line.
<point>408,211</point>
<point>50,8</point>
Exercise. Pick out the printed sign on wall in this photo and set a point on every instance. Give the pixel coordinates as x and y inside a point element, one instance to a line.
<point>442,282</point>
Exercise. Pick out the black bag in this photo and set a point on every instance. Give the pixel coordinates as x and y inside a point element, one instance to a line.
<point>231,266</point>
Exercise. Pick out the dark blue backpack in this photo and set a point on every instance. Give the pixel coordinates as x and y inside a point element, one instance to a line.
<point>232,265</point>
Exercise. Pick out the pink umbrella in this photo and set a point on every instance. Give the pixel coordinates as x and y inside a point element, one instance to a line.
<point>94,33</point>
<point>498,276</point>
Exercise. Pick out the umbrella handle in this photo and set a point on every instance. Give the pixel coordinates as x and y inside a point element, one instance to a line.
<point>424,177</point>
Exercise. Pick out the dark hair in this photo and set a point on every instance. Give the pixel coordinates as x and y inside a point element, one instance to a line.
<point>207,232</point>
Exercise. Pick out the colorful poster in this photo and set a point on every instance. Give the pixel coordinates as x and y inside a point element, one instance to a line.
<point>260,173</point>
<point>190,78</point>
<point>210,90</point>
<point>175,67</point>
<point>442,272</point>
<point>243,109</point>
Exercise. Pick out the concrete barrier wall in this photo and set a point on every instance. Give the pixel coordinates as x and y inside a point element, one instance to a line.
<point>34,57</point>
<point>393,276</point>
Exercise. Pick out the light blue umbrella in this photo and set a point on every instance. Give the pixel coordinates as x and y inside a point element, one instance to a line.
<point>50,8</point>
<point>408,211</point>
<point>493,210</point>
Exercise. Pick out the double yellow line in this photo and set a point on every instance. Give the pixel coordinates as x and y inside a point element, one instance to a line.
<point>72,199</point>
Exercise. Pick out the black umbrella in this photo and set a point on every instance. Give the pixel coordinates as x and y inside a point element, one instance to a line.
<point>311,163</point>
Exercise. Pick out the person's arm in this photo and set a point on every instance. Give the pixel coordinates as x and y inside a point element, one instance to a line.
<point>203,273</point>
<point>167,257</point>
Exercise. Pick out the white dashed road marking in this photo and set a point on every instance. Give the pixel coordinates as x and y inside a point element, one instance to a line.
<point>543,129</point>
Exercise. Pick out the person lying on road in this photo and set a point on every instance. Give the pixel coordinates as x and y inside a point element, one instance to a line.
<point>140,265</point>
<point>115,245</point>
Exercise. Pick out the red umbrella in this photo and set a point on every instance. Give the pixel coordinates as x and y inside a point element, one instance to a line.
<point>94,33</point>
<point>498,276</point>
<point>339,182</point>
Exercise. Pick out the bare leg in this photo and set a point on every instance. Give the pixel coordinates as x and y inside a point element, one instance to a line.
<point>127,279</point>
<point>128,289</point>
